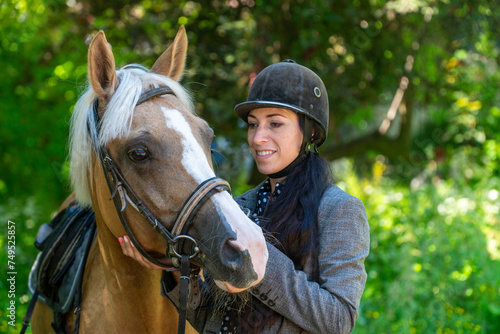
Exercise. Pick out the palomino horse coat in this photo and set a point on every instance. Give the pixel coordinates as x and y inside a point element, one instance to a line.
<point>163,151</point>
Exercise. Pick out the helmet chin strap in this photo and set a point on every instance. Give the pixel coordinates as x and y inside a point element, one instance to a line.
<point>305,149</point>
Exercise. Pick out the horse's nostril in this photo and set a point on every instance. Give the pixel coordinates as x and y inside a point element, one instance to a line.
<point>236,265</point>
<point>231,254</point>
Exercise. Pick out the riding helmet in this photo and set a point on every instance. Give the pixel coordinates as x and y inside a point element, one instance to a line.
<point>291,86</point>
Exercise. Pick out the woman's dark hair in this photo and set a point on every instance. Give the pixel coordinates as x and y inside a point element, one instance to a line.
<point>292,221</point>
<point>292,217</point>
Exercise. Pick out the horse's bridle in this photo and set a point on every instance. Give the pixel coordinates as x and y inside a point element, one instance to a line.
<point>117,184</point>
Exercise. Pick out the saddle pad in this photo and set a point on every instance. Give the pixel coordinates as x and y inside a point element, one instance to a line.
<point>58,268</point>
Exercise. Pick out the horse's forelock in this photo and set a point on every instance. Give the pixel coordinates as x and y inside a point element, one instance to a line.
<point>115,123</point>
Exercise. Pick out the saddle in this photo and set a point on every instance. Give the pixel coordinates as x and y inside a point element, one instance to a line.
<point>57,273</point>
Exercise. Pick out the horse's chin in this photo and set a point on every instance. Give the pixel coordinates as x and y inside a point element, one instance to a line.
<point>232,289</point>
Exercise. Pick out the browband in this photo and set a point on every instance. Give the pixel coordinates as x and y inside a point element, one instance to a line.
<point>154,93</point>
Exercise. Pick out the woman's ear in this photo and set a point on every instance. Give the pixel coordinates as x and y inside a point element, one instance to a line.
<point>314,137</point>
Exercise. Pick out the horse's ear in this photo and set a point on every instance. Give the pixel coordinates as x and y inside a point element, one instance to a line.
<point>171,62</point>
<point>102,73</point>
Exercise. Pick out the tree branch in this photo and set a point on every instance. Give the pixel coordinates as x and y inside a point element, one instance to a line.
<point>378,140</point>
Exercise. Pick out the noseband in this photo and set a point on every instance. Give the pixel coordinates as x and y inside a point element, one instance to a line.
<point>118,185</point>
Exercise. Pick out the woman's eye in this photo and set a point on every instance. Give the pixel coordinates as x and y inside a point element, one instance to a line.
<point>275,125</point>
<point>138,154</point>
<point>252,125</point>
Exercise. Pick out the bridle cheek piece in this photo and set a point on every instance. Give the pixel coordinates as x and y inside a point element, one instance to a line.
<point>117,184</point>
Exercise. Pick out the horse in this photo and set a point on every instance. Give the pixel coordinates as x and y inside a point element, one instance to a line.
<point>135,139</point>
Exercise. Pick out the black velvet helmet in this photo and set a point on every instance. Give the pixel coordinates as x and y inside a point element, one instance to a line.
<point>291,86</point>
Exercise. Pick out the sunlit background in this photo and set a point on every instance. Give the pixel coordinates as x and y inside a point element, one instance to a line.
<point>414,115</point>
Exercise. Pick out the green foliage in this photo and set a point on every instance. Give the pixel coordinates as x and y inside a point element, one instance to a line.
<point>431,196</point>
<point>434,265</point>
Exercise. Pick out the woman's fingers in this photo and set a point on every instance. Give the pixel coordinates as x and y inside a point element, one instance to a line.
<point>129,250</point>
<point>126,246</point>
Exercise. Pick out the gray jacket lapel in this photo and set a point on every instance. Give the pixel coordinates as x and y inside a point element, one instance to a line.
<point>248,200</point>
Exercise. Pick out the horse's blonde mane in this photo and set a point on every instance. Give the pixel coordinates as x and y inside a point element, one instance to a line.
<point>115,123</point>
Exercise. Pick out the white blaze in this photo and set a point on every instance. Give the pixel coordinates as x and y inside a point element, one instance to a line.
<point>193,157</point>
<point>249,235</point>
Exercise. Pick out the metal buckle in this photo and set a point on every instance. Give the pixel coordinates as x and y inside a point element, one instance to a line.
<point>196,249</point>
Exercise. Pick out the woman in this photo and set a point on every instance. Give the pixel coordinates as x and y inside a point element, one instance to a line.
<point>318,234</point>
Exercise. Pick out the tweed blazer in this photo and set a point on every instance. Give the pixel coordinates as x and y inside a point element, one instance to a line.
<point>328,306</point>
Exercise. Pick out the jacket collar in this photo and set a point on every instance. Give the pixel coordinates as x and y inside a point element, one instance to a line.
<point>248,200</point>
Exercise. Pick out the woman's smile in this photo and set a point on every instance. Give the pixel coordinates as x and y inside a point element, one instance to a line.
<point>274,137</point>
<point>264,154</point>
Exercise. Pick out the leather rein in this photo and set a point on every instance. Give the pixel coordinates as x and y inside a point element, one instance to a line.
<point>117,184</point>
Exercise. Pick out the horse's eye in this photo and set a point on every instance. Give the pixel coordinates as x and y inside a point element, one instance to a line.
<point>138,154</point>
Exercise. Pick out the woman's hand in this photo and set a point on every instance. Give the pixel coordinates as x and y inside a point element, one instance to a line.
<point>129,249</point>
